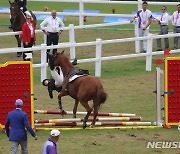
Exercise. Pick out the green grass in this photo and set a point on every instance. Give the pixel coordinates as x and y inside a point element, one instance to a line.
<point>129,87</point>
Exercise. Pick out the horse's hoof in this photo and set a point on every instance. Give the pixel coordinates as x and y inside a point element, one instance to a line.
<point>62,112</point>
<point>91,126</point>
<point>84,126</point>
<point>19,54</point>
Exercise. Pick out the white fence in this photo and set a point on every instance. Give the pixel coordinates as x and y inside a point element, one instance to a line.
<point>71,29</point>
<point>98,58</point>
<point>98,43</point>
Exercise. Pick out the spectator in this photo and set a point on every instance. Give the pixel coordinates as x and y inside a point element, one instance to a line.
<point>18,120</point>
<point>145,18</point>
<point>176,25</point>
<point>163,21</point>
<point>50,146</point>
<point>54,28</point>
<point>28,36</point>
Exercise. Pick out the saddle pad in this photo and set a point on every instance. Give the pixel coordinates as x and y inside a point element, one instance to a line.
<point>75,77</point>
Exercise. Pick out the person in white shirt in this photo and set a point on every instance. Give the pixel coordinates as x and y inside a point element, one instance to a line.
<point>176,25</point>
<point>54,28</point>
<point>163,22</point>
<point>145,18</point>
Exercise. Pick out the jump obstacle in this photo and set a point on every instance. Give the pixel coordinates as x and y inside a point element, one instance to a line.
<point>171,93</point>
<point>16,81</point>
<point>18,84</point>
<point>84,113</point>
<point>112,120</point>
<point>97,119</point>
<point>109,119</point>
<point>73,124</point>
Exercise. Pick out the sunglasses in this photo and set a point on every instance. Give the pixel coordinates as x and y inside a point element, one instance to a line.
<point>163,9</point>
<point>28,18</point>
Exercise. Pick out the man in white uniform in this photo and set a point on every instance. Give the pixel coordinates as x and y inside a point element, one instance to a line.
<point>144,18</point>
<point>176,25</point>
<point>54,28</point>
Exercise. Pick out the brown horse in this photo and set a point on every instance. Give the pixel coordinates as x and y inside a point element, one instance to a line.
<point>18,19</point>
<point>82,89</point>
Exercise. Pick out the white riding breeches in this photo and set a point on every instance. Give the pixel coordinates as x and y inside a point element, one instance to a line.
<point>57,77</point>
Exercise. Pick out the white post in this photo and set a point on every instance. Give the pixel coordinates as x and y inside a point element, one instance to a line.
<point>149,56</point>
<point>72,41</point>
<point>43,61</point>
<point>81,10</point>
<point>158,96</point>
<point>136,32</point>
<point>98,57</point>
<point>45,37</point>
<point>139,4</point>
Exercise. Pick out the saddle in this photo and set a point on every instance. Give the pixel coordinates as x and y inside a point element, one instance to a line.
<point>76,71</point>
<point>71,73</point>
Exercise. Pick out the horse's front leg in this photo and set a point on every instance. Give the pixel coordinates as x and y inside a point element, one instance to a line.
<point>18,38</point>
<point>75,108</point>
<point>63,93</point>
<point>62,112</point>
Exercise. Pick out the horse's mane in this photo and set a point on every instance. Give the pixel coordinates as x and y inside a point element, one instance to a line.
<point>62,60</point>
<point>66,60</point>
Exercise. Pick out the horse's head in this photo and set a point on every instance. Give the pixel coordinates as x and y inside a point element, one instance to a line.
<point>60,59</point>
<point>14,10</point>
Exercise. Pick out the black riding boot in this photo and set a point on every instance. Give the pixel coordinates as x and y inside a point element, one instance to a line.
<point>74,61</point>
<point>50,62</point>
<point>51,87</point>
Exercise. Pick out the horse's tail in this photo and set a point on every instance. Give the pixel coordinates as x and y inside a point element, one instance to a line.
<point>101,95</point>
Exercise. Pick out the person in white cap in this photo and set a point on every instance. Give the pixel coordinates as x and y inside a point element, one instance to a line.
<point>16,122</point>
<point>50,146</point>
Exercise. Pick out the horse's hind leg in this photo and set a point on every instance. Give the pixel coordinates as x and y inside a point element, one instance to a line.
<point>89,110</point>
<point>95,115</point>
<point>75,108</point>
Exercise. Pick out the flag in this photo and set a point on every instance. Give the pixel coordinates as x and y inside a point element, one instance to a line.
<point>167,51</point>
<point>159,61</point>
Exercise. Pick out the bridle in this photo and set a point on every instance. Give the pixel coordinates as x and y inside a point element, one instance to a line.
<point>14,12</point>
